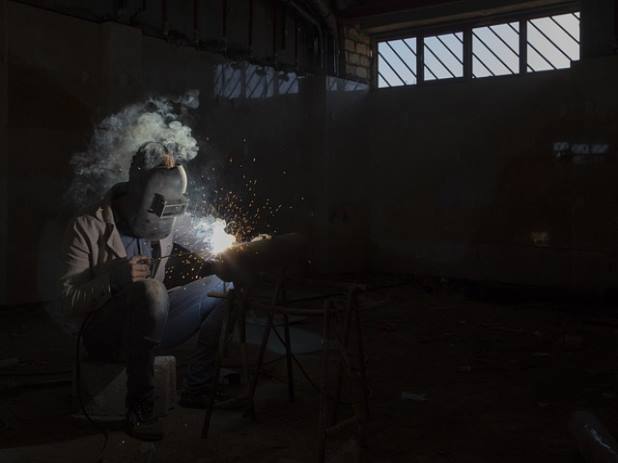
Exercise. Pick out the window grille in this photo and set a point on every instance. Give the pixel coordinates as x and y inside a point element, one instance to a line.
<point>523,45</point>
<point>444,56</point>
<point>553,42</point>
<point>397,63</point>
<point>495,50</point>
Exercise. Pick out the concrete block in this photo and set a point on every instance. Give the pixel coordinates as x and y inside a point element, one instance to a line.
<point>103,388</point>
<point>352,58</point>
<point>362,72</point>
<point>362,49</point>
<point>353,34</point>
<point>350,45</point>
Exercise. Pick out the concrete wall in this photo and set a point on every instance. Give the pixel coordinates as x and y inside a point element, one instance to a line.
<point>66,74</point>
<point>347,189</point>
<point>465,181</point>
<point>3,151</point>
<point>57,90</point>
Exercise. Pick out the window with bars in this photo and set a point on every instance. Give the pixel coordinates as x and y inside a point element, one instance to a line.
<point>526,45</point>
<point>444,56</point>
<point>244,80</point>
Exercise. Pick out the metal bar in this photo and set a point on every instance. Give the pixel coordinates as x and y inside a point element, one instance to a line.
<point>493,53</point>
<point>219,77</point>
<point>384,79</point>
<point>428,48</point>
<point>392,69</point>
<point>322,426</point>
<point>563,29</point>
<point>413,52</point>
<point>196,25</point>
<point>523,45</point>
<point>362,365</point>
<point>467,54</point>
<point>275,32</point>
<point>288,357</point>
<point>242,335</point>
<point>284,25</point>
<point>484,65</point>
<point>503,41</point>
<point>250,31</point>
<point>550,41</point>
<point>420,60</point>
<point>260,360</point>
<point>231,94</point>
<point>268,82</point>
<point>343,345</point>
<point>218,361</point>
<point>224,19</point>
<point>296,29</point>
<point>541,55</point>
<point>474,56</point>
<point>287,90</point>
<point>287,309</point>
<point>451,51</point>
<point>409,47</point>
<point>254,87</point>
<point>401,59</point>
<point>164,18</point>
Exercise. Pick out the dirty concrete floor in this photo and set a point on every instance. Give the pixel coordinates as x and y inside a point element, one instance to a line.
<point>453,379</point>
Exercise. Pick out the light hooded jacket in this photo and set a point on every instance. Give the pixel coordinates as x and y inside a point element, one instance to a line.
<point>91,244</point>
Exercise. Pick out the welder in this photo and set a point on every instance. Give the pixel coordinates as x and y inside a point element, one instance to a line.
<point>113,275</point>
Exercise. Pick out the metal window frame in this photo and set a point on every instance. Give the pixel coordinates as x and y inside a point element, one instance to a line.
<point>466,27</point>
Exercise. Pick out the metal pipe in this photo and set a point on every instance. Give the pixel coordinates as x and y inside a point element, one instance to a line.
<point>250,38</point>
<point>324,9</point>
<point>327,14</point>
<point>309,17</point>
<point>164,18</point>
<point>243,262</point>
<point>196,25</point>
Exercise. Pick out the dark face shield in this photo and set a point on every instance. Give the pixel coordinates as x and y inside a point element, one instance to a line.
<point>156,198</point>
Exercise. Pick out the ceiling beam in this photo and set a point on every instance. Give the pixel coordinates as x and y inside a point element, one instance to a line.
<point>453,11</point>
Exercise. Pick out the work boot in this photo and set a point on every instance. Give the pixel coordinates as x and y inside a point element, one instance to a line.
<point>142,422</point>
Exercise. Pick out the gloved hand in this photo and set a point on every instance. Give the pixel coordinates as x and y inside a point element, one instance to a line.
<point>126,271</point>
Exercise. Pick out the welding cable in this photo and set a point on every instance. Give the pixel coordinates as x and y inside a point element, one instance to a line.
<point>96,425</point>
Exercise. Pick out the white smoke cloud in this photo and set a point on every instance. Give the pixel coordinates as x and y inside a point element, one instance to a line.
<point>117,138</point>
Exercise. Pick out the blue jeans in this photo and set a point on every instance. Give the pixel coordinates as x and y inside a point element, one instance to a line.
<point>146,316</point>
<point>190,311</point>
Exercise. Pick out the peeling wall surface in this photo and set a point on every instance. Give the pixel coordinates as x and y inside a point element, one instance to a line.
<point>3,153</point>
<point>465,180</point>
<point>84,71</point>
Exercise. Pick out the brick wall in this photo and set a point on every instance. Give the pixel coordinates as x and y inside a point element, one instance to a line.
<point>358,55</point>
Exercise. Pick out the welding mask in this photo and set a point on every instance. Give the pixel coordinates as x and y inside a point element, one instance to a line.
<point>156,197</point>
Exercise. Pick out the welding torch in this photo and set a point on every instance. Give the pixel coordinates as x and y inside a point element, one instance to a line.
<point>243,262</point>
